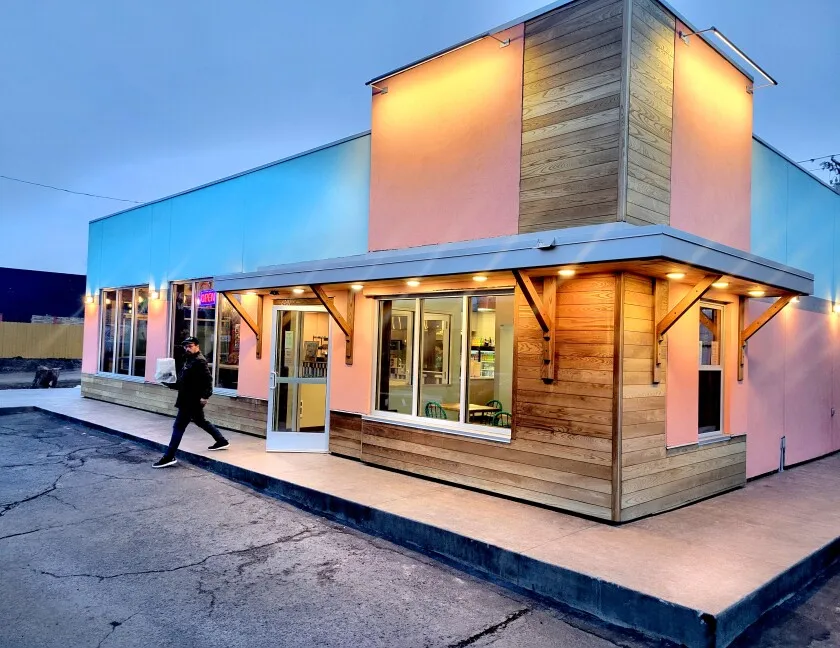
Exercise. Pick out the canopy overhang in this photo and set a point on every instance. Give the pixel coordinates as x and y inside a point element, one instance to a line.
<point>654,250</point>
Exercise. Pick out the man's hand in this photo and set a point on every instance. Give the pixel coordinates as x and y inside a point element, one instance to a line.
<point>203,402</point>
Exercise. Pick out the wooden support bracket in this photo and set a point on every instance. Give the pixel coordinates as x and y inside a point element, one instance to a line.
<point>255,326</point>
<point>691,297</point>
<point>752,329</point>
<point>346,325</point>
<point>543,308</point>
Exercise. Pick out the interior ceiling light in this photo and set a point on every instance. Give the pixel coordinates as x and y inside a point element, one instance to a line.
<point>756,293</point>
<point>356,287</point>
<point>480,278</point>
<point>566,272</point>
<point>720,284</point>
<point>770,80</point>
<point>413,283</point>
<point>675,275</point>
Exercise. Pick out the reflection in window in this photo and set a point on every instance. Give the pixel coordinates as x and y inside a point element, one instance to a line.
<point>227,367</point>
<point>194,315</point>
<point>491,359</point>
<point>396,357</point>
<point>109,330</point>
<point>440,357</point>
<point>710,394</point>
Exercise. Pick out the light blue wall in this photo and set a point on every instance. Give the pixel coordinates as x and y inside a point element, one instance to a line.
<point>795,220</point>
<point>314,206</point>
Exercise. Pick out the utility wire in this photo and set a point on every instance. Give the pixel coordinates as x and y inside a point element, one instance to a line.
<point>824,157</point>
<point>80,193</point>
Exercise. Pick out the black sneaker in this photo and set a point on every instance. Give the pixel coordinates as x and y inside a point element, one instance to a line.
<point>164,463</point>
<point>220,445</point>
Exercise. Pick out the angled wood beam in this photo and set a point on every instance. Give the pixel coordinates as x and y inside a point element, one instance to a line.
<point>543,308</point>
<point>345,324</point>
<point>663,325</point>
<point>752,329</point>
<point>255,326</point>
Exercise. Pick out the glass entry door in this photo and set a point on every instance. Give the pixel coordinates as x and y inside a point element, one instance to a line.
<point>297,407</point>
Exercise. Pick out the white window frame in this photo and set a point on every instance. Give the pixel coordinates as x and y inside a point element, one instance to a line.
<point>116,337</point>
<point>714,435</point>
<point>460,427</point>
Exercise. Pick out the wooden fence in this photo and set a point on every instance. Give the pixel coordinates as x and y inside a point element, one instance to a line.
<point>40,340</point>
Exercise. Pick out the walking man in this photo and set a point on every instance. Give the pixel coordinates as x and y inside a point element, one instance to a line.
<point>195,386</point>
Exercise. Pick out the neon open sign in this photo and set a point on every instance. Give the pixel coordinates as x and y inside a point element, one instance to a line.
<point>207,298</point>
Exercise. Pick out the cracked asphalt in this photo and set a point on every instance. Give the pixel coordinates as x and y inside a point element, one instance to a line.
<point>97,549</point>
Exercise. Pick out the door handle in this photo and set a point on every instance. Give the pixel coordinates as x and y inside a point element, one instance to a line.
<point>272,380</point>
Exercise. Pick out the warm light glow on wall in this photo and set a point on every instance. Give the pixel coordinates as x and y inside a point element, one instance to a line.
<point>89,299</point>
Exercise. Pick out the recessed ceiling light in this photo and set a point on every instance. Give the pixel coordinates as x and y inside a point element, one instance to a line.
<point>720,284</point>
<point>480,278</point>
<point>356,286</point>
<point>298,291</point>
<point>566,272</point>
<point>413,283</point>
<point>675,275</point>
<point>250,292</point>
<point>756,293</point>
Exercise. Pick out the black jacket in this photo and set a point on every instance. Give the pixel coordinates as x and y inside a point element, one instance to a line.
<point>194,382</point>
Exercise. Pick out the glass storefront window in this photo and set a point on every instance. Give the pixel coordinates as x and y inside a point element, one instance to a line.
<point>182,317</point>
<point>109,330</point>
<point>141,314</point>
<point>227,367</point>
<point>422,373</point>
<point>125,325</point>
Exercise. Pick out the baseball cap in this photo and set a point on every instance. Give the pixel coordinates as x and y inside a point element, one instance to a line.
<point>189,340</point>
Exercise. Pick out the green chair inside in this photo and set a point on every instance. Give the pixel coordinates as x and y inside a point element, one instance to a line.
<point>502,419</point>
<point>495,403</point>
<point>434,410</point>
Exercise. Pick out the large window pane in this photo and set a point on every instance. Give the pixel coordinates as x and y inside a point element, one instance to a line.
<point>182,315</point>
<point>440,358</point>
<point>205,321</point>
<point>109,330</point>
<point>490,386</point>
<point>125,319</point>
<point>394,392</point>
<point>227,367</point>
<point>710,395</point>
<point>141,310</point>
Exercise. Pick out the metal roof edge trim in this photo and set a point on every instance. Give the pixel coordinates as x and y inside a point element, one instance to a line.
<point>289,158</point>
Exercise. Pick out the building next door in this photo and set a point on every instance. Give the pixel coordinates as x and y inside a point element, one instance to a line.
<point>297,405</point>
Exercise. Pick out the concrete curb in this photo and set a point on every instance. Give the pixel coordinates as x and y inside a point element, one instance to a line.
<point>605,600</point>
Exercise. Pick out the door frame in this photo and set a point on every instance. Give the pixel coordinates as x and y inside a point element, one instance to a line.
<point>277,441</point>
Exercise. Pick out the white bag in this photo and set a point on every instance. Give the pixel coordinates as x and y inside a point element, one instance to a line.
<point>165,371</point>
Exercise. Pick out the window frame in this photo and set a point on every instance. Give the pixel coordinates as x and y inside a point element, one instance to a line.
<point>460,427</point>
<point>117,336</point>
<point>720,368</point>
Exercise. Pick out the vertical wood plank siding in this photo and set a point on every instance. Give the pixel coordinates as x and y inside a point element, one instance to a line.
<point>650,114</point>
<point>654,478</point>
<point>248,415</point>
<point>561,448</point>
<point>570,116</point>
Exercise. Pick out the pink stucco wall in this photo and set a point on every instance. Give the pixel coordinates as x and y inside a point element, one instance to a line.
<point>792,369</point>
<point>157,338</point>
<point>253,373</point>
<point>711,149</point>
<point>350,386</point>
<point>683,378</point>
<point>90,341</point>
<point>445,148</point>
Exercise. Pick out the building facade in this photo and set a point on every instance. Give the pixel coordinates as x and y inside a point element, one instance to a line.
<point>558,268</point>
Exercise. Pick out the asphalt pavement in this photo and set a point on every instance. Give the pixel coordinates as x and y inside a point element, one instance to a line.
<point>98,549</point>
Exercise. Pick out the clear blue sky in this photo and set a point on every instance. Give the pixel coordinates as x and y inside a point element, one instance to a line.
<point>141,99</point>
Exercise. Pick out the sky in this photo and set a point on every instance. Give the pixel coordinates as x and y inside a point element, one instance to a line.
<point>141,99</point>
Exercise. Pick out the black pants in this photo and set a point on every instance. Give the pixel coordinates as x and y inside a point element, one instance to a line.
<point>195,414</point>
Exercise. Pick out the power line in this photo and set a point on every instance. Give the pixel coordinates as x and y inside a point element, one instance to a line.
<point>80,193</point>
<point>818,158</point>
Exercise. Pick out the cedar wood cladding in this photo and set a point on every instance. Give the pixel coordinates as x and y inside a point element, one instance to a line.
<point>575,121</point>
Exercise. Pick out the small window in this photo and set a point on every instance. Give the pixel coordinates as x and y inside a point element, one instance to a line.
<point>710,397</point>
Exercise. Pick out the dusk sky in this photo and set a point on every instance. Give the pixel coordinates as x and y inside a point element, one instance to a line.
<point>139,100</point>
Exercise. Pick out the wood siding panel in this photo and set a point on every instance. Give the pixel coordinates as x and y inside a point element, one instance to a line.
<point>570,117</point>
<point>654,478</point>
<point>247,415</point>
<point>649,115</point>
<point>346,434</point>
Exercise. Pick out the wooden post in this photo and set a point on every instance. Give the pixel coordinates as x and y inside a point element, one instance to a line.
<point>543,309</point>
<point>742,320</point>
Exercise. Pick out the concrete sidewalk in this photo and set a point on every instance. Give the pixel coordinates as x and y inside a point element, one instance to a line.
<point>699,575</point>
